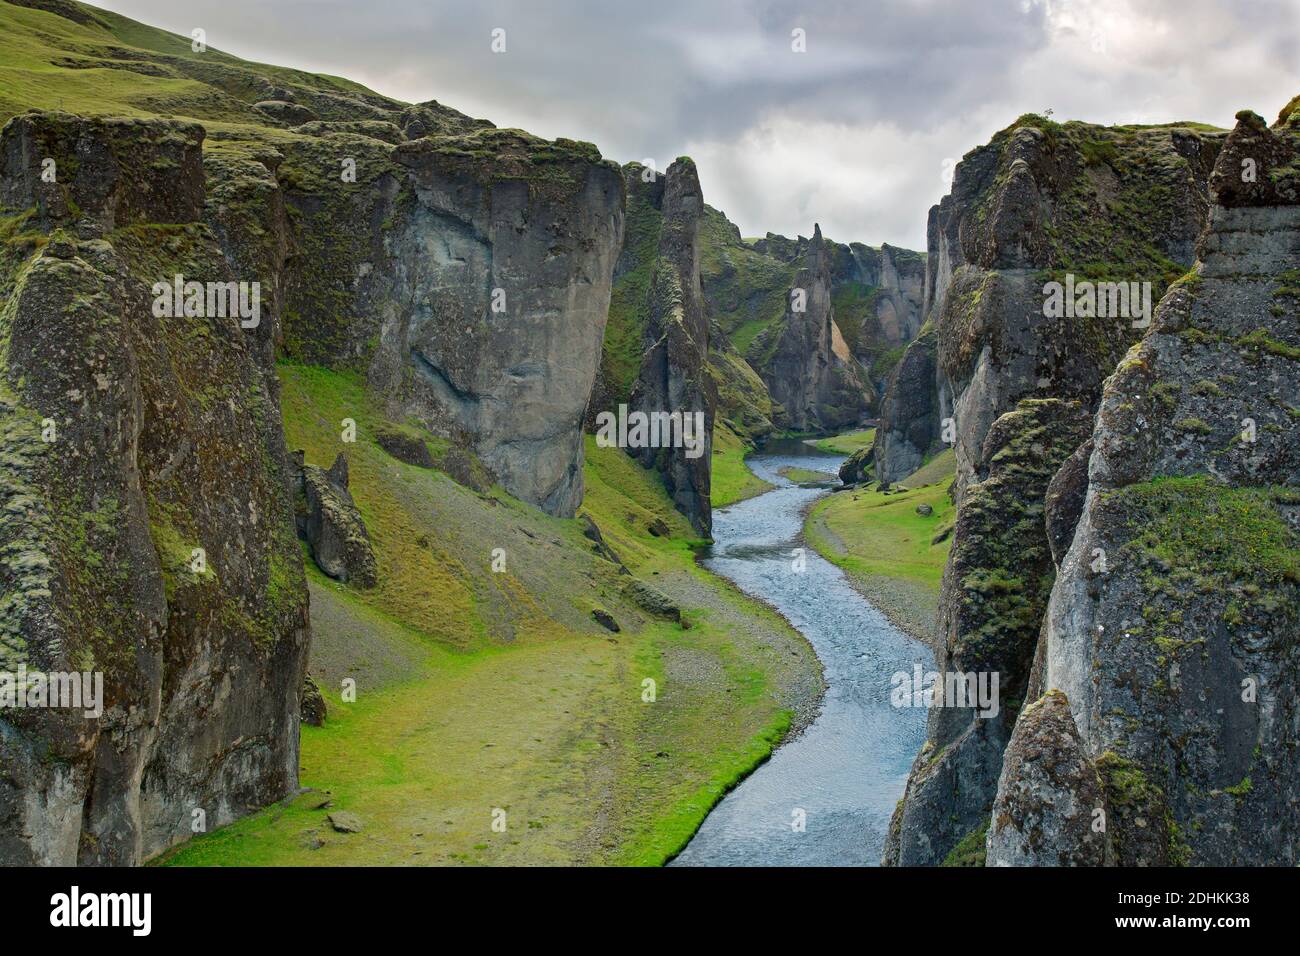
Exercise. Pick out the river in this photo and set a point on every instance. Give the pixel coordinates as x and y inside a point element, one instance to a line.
<point>826,796</point>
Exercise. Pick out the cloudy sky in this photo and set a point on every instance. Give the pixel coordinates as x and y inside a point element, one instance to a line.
<point>859,132</point>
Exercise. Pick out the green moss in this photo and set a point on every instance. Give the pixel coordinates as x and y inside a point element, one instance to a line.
<point>1195,425</point>
<point>1192,529</point>
<point>1098,152</point>
<point>971,849</point>
<point>1261,341</point>
<point>1241,789</point>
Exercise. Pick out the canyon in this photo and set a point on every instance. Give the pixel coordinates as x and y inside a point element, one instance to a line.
<point>219,516</point>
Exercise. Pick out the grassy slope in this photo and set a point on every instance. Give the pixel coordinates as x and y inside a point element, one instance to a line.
<point>106,64</point>
<point>732,480</point>
<point>885,546</point>
<point>479,691</point>
<point>847,443</point>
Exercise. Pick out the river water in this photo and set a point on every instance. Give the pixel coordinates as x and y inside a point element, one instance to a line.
<point>843,775</point>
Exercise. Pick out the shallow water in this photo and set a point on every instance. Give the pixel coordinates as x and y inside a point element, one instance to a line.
<point>847,770</point>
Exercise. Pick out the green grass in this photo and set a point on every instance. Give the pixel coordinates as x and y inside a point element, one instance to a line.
<point>806,474</point>
<point>732,480</point>
<point>479,691</point>
<point>886,548</point>
<point>847,443</point>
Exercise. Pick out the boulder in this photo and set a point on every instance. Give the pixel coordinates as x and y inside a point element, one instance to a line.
<point>1050,809</point>
<point>331,524</point>
<point>312,703</point>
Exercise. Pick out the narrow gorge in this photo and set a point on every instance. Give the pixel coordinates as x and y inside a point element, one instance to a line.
<point>425,492</point>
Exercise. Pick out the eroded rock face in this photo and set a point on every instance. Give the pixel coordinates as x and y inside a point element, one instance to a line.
<point>858,466</point>
<point>1180,661</point>
<point>1050,807</point>
<point>332,525</point>
<point>1035,205</point>
<point>115,172</point>
<point>148,525</point>
<point>516,377</point>
<point>876,296</point>
<point>674,376</point>
<point>909,426</point>
<point>995,590</point>
<point>813,376</point>
<point>469,273</point>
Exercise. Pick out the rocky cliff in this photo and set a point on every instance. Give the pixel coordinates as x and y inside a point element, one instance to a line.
<point>811,373</point>
<point>674,377</point>
<point>1041,203</point>
<point>1169,640</point>
<point>467,272</point>
<point>462,272</point>
<point>148,530</point>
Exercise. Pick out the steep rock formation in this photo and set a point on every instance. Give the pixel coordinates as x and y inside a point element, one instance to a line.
<point>148,528</point>
<point>1050,805</point>
<point>812,375</point>
<point>879,296</point>
<point>471,279</point>
<point>909,427</point>
<point>332,526</point>
<point>876,295</point>
<point>1041,202</point>
<point>1179,658</point>
<point>674,377</point>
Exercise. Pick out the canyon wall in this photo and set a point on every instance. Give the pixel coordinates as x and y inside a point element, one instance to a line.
<point>148,531</point>
<point>1042,202</point>
<point>1170,637</point>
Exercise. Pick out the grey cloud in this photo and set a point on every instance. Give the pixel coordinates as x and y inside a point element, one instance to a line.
<point>654,80</point>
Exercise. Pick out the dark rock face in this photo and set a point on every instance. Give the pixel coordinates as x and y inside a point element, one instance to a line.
<point>405,447</point>
<point>115,172</point>
<point>332,526</point>
<point>909,413</point>
<point>148,519</point>
<point>1037,203</point>
<point>812,376</point>
<point>674,375</point>
<point>858,466</point>
<point>312,703</point>
<point>1180,662</point>
<point>1064,503</point>
<point>468,272</point>
<point>1050,807</point>
<point>995,590</point>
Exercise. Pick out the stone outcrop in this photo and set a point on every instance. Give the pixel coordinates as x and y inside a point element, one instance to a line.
<point>148,530</point>
<point>910,419</point>
<point>1050,807</point>
<point>328,520</point>
<point>876,295</point>
<point>812,375</point>
<point>858,466</point>
<point>489,295</point>
<point>1179,659</point>
<point>1040,203</point>
<point>674,377</point>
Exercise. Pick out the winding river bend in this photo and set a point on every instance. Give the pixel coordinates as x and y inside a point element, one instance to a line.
<point>847,770</point>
